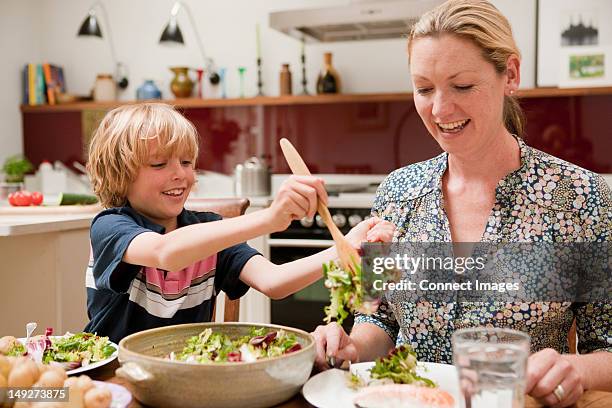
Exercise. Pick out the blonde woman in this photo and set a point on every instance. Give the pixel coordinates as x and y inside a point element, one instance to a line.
<point>487,186</point>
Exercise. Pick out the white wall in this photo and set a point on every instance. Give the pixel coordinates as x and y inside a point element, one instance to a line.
<point>227,29</point>
<point>19,43</point>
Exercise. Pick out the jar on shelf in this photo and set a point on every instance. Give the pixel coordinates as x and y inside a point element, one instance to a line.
<point>181,85</point>
<point>105,88</point>
<point>285,80</point>
<point>148,90</point>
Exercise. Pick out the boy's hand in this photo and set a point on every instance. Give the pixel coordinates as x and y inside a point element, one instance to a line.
<point>296,199</point>
<point>371,230</point>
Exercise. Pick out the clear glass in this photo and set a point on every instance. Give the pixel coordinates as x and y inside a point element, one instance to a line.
<point>491,364</point>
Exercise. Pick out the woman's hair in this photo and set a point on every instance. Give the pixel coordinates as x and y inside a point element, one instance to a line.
<point>480,22</point>
<point>120,146</point>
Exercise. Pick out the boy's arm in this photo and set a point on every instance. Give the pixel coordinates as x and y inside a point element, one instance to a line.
<point>184,246</point>
<point>279,281</point>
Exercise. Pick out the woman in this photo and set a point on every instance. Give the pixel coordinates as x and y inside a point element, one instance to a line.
<point>487,186</point>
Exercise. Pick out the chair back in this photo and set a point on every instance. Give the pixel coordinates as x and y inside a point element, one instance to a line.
<point>227,208</point>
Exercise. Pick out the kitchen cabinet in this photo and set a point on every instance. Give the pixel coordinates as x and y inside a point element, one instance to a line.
<point>43,272</point>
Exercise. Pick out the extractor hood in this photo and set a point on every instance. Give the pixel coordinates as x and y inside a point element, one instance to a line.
<point>363,20</point>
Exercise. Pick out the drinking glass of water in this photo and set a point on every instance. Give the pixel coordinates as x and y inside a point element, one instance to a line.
<point>492,364</point>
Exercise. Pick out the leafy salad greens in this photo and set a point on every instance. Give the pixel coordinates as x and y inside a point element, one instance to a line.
<point>398,367</point>
<point>346,293</point>
<point>210,347</point>
<point>70,350</point>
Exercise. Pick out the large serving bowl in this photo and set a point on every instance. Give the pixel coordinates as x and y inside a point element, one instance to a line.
<point>160,382</point>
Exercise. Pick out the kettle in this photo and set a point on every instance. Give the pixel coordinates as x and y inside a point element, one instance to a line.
<point>252,178</point>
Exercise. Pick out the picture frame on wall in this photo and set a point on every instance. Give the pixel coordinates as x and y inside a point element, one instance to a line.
<point>574,40</point>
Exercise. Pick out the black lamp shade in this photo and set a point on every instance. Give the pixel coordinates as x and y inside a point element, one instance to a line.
<point>172,33</point>
<point>90,26</point>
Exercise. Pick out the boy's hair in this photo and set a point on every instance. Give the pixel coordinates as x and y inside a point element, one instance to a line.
<point>120,146</point>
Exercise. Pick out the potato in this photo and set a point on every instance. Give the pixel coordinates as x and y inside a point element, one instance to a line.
<point>85,383</point>
<point>30,364</point>
<point>59,370</point>
<point>5,366</point>
<point>2,388</point>
<point>98,397</point>
<point>75,393</point>
<point>21,376</point>
<point>6,343</point>
<point>51,379</point>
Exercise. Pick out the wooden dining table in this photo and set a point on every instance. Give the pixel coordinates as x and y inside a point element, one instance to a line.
<point>590,399</point>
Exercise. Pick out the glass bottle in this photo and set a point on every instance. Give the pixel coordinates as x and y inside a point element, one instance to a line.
<point>285,80</point>
<point>328,80</point>
<point>241,71</point>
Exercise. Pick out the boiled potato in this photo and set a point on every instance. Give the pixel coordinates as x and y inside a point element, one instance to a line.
<point>50,379</point>
<point>98,397</point>
<point>21,376</point>
<point>75,393</point>
<point>85,383</point>
<point>29,363</point>
<point>6,344</point>
<point>5,366</point>
<point>3,384</point>
<point>59,370</point>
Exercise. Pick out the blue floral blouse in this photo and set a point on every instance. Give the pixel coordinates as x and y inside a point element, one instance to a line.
<point>545,200</point>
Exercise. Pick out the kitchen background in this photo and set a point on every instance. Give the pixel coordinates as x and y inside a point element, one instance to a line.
<point>45,30</point>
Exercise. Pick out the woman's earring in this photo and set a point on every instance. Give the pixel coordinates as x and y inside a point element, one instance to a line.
<point>512,92</point>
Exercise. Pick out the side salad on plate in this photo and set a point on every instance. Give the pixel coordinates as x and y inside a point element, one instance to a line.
<point>397,367</point>
<point>71,351</point>
<point>211,347</point>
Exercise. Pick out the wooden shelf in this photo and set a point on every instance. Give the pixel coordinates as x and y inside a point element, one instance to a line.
<point>302,100</point>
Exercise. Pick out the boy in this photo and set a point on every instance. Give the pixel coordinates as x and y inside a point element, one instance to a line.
<point>157,264</point>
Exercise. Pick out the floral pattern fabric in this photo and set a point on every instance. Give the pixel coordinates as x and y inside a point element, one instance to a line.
<point>545,200</point>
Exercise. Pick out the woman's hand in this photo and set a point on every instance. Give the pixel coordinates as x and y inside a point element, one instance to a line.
<point>371,230</point>
<point>332,341</point>
<point>553,379</point>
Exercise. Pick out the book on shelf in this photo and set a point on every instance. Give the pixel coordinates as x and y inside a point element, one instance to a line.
<point>42,83</point>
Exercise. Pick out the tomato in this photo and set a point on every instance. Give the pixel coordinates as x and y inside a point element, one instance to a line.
<point>37,198</point>
<point>11,199</point>
<point>20,198</point>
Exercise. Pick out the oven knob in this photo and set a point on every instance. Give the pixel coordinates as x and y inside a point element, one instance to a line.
<point>306,222</point>
<point>354,220</point>
<point>339,220</point>
<point>320,221</point>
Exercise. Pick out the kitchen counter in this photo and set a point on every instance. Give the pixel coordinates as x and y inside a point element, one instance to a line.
<point>11,225</point>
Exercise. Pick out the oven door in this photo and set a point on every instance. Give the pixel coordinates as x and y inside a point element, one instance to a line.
<point>304,309</point>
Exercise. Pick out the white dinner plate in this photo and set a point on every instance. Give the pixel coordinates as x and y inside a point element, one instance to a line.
<point>329,389</point>
<point>89,366</point>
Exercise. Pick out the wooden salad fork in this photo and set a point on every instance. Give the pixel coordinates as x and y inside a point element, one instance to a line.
<point>349,257</point>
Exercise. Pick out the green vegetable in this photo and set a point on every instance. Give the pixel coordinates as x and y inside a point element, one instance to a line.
<point>17,350</point>
<point>217,347</point>
<point>400,367</point>
<point>345,291</point>
<point>15,167</point>
<point>76,199</point>
<point>79,347</point>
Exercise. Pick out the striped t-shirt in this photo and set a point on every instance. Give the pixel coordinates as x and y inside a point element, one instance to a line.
<point>123,298</point>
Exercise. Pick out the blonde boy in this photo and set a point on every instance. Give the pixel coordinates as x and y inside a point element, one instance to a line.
<point>155,263</point>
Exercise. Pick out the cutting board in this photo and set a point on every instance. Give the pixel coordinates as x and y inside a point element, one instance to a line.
<point>56,210</point>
